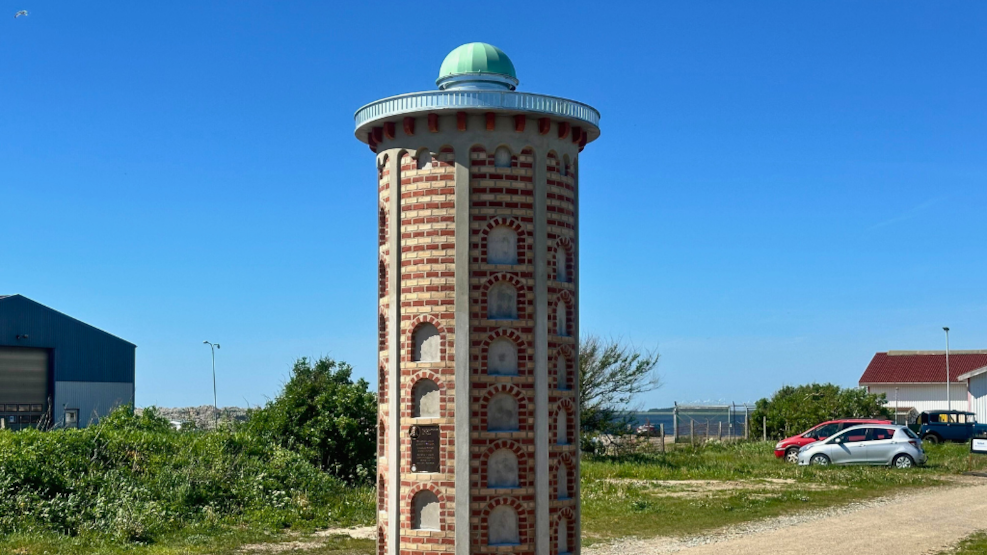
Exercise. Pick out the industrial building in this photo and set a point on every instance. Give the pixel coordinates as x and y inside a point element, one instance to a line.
<point>916,381</point>
<point>56,371</point>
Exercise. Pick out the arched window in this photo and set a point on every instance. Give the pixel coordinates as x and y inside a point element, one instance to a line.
<point>562,373</point>
<point>502,245</point>
<point>563,534</point>
<point>427,342</point>
<point>382,226</point>
<point>563,479</point>
<point>426,399</point>
<point>502,413</point>
<point>425,511</point>
<point>565,165</point>
<point>561,325</point>
<point>502,157</point>
<point>502,469</point>
<point>502,526</point>
<point>502,302</point>
<point>562,428</point>
<point>561,264</point>
<point>424,159</point>
<point>502,358</point>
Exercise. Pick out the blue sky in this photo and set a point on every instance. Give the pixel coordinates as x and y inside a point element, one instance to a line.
<point>781,188</point>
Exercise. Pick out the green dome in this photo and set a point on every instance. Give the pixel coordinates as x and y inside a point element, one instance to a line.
<point>477,58</point>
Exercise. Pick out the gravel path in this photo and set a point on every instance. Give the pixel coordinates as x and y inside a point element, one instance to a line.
<point>920,523</point>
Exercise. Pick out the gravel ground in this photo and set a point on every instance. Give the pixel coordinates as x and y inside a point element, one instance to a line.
<point>921,523</point>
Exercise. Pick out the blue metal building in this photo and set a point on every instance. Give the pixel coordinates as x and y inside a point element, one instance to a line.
<point>56,370</point>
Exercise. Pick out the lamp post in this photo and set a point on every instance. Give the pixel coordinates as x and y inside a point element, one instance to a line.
<point>215,405</point>
<point>949,403</point>
<point>896,405</point>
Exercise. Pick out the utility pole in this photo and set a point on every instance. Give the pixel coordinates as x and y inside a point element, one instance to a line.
<point>949,401</point>
<point>215,405</point>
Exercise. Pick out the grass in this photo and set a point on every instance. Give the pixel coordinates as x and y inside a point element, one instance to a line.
<point>973,545</point>
<point>190,541</point>
<point>628,496</point>
<point>637,495</point>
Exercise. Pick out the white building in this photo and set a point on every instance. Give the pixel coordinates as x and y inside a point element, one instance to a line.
<point>976,390</point>
<point>915,381</point>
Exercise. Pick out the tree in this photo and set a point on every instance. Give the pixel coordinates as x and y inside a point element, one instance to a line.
<point>793,410</point>
<point>325,416</point>
<point>610,375</point>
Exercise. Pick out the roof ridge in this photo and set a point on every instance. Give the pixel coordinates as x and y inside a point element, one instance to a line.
<point>926,353</point>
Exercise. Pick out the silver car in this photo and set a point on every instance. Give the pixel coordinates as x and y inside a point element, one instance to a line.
<point>879,444</point>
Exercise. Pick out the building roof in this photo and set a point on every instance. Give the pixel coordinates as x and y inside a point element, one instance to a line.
<point>13,299</point>
<point>973,373</point>
<point>921,366</point>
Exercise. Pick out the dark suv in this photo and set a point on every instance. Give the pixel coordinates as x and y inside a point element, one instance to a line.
<point>936,426</point>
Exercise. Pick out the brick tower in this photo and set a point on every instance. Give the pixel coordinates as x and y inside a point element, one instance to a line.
<point>478,448</point>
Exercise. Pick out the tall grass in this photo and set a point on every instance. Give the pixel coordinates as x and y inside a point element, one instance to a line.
<point>134,478</point>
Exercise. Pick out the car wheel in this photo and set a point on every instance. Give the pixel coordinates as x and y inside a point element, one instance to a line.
<point>792,455</point>
<point>819,460</point>
<point>903,461</point>
<point>931,439</point>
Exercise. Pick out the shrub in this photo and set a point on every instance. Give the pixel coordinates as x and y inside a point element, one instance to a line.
<point>326,417</point>
<point>131,478</point>
<point>792,410</point>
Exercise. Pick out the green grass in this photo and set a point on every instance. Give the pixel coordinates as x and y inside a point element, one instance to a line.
<point>620,497</point>
<point>190,541</point>
<point>973,545</point>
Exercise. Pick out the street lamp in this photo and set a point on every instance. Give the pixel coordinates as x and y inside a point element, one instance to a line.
<point>949,404</point>
<point>215,405</point>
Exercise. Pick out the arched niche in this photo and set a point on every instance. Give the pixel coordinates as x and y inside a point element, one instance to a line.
<point>502,526</point>
<point>382,278</point>
<point>562,428</point>
<point>427,342</point>
<point>563,535</point>
<point>423,159</point>
<point>565,165</point>
<point>425,511</point>
<point>562,373</point>
<point>502,469</point>
<point>502,413</point>
<point>425,396</point>
<point>502,358</point>
<point>561,323</point>
<point>561,264</point>
<point>502,302</point>
<point>563,480</point>
<point>502,245</point>
<point>502,157</point>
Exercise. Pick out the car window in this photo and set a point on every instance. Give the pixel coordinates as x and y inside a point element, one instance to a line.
<point>910,433</point>
<point>945,418</point>
<point>877,434</point>
<point>822,432</point>
<point>853,436</point>
<point>846,425</point>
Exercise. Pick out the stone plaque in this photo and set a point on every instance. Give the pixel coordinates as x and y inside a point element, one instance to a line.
<point>424,448</point>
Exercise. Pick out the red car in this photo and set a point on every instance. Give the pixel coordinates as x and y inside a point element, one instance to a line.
<point>789,448</point>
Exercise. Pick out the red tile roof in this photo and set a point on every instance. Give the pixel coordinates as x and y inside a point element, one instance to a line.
<point>921,366</point>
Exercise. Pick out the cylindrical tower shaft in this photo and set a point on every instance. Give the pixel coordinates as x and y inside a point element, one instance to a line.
<point>478,316</point>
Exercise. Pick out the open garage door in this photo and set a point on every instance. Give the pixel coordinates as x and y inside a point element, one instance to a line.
<point>23,386</point>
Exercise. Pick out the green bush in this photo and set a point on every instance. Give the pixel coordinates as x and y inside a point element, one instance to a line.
<point>131,478</point>
<point>326,417</point>
<point>792,410</point>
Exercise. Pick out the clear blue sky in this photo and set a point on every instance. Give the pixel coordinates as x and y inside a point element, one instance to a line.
<point>781,188</point>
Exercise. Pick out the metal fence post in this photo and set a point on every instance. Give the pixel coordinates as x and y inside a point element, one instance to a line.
<point>747,422</point>
<point>721,431</point>
<point>675,422</point>
<point>692,432</point>
<point>764,424</point>
<point>661,436</point>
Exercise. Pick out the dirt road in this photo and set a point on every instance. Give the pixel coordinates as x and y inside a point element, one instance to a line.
<point>920,523</point>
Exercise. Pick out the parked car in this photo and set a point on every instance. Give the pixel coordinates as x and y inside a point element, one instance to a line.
<point>789,448</point>
<point>889,445</point>
<point>936,426</point>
